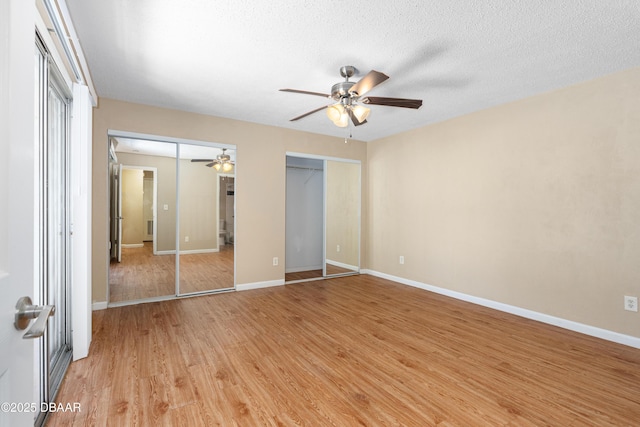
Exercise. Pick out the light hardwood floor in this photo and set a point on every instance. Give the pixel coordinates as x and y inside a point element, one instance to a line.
<point>355,350</point>
<point>143,275</point>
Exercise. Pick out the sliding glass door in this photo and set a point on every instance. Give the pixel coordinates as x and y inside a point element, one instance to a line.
<point>52,100</point>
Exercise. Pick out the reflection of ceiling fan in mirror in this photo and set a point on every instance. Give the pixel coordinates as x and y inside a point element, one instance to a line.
<point>347,95</point>
<point>221,162</point>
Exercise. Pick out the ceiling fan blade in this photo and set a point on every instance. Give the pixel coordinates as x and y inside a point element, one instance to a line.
<point>305,92</point>
<point>368,82</point>
<point>210,164</point>
<point>354,119</point>
<point>307,114</point>
<point>201,160</point>
<point>392,102</point>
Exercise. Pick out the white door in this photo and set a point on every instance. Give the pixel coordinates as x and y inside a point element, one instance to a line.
<point>18,218</point>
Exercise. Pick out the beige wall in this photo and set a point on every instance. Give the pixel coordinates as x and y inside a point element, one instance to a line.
<point>535,204</point>
<point>198,207</point>
<point>260,179</point>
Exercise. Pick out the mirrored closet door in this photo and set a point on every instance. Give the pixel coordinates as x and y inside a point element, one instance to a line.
<point>172,219</point>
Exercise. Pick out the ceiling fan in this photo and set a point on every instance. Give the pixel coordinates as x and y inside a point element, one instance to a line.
<point>222,161</point>
<point>348,95</point>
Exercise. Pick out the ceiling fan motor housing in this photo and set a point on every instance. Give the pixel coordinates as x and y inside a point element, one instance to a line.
<point>341,90</point>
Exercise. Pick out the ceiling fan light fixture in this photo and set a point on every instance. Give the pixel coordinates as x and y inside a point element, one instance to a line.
<point>343,121</point>
<point>334,112</point>
<point>226,167</point>
<point>361,112</point>
<point>217,166</point>
<point>338,115</point>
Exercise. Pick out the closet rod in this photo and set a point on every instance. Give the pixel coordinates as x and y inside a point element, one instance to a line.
<point>306,169</point>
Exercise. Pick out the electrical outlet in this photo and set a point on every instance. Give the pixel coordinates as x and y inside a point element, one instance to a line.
<point>630,303</point>
<point>338,248</point>
<point>401,259</point>
<point>275,261</point>
<point>186,238</point>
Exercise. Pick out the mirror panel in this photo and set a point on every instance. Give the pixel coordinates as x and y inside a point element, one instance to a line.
<point>342,204</point>
<point>144,197</point>
<point>206,218</point>
<point>170,242</point>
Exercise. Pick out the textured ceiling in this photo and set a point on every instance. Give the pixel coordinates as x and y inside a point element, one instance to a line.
<point>229,58</point>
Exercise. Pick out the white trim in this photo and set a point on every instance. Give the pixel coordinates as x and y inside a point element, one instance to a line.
<point>72,38</point>
<point>132,245</point>
<point>259,285</point>
<point>100,305</point>
<point>52,50</point>
<point>80,193</point>
<point>321,157</point>
<point>342,265</point>
<point>310,279</point>
<point>518,311</point>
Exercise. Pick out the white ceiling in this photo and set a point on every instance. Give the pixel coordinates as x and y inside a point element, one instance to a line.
<point>229,58</point>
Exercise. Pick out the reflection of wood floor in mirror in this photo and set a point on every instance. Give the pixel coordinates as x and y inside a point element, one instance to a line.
<point>314,274</point>
<point>143,275</point>
<point>302,275</point>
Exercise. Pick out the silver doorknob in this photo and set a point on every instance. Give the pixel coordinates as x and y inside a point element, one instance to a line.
<point>27,311</point>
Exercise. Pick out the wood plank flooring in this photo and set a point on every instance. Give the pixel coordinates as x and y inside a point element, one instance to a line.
<point>355,350</point>
<point>143,275</point>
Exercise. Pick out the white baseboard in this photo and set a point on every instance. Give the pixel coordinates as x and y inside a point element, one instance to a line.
<point>258,285</point>
<point>342,265</point>
<point>100,305</point>
<point>522,312</point>
<point>133,245</point>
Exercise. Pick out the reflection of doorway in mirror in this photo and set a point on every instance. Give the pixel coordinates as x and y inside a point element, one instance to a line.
<point>137,188</point>
<point>226,215</point>
<point>147,205</point>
